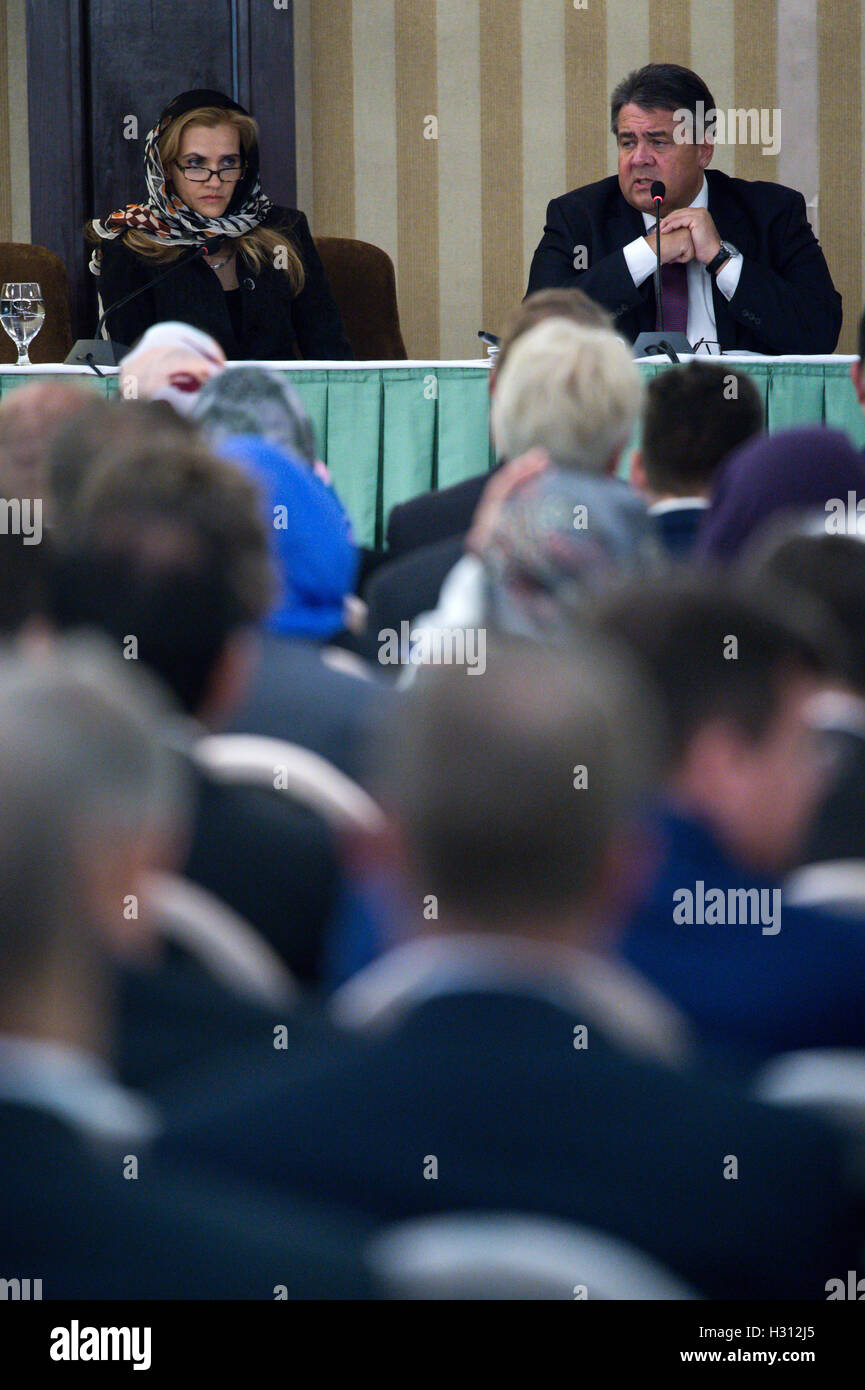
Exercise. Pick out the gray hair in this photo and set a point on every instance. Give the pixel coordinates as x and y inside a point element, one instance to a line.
<point>253,400</point>
<point>571,390</point>
<point>83,766</point>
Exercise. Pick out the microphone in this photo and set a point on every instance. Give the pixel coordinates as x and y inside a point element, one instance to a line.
<point>659,193</point>
<point>104,352</point>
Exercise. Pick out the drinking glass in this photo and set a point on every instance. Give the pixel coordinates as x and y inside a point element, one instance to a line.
<point>22,313</point>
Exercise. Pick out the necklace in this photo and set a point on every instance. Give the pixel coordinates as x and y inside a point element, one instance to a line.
<point>217,265</point>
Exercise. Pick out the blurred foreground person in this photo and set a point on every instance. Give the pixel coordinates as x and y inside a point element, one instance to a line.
<point>502,1060</point>
<point>738,674</point>
<point>91,801</point>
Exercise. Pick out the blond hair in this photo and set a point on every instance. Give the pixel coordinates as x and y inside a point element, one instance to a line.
<point>260,246</point>
<point>569,389</point>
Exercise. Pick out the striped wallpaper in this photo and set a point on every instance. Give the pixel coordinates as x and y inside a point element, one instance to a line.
<point>14,154</point>
<point>439,129</point>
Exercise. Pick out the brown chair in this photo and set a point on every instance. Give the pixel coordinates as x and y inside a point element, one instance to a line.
<point>21,261</point>
<point>363,283</point>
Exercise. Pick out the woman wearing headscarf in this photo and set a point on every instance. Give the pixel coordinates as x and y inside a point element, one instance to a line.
<point>257,284</point>
<point>774,476</point>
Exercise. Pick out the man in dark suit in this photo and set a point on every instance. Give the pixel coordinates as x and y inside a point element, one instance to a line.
<point>741,265</point>
<point>92,802</point>
<point>695,416</point>
<point>501,1061</point>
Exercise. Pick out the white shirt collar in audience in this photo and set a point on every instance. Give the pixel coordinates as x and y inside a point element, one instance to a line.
<point>76,1086</point>
<point>606,991</point>
<point>677,504</point>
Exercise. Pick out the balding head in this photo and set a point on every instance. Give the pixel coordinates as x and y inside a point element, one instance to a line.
<point>31,417</point>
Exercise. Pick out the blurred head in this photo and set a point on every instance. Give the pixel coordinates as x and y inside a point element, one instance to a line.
<point>31,417</point>
<point>829,569</point>
<point>736,672</point>
<point>694,417</point>
<point>480,778</point>
<point>165,550</point>
<point>793,472</point>
<point>255,401</point>
<point>644,121</point>
<point>559,541</point>
<point>170,362</point>
<point>310,540</point>
<point>570,304</point>
<point>82,770</point>
<point>572,391</point>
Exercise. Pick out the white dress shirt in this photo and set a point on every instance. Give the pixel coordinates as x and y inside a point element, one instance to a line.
<point>641,261</point>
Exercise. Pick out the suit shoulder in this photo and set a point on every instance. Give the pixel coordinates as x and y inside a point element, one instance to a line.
<point>590,197</point>
<point>758,194</point>
<point>290,220</point>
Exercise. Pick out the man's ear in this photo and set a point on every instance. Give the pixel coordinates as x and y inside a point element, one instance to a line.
<point>639,481</point>
<point>857,376</point>
<point>230,678</point>
<point>706,153</point>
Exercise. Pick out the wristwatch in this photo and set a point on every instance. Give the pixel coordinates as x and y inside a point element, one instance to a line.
<point>724,255</point>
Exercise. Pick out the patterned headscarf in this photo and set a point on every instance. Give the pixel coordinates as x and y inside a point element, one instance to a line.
<point>164,215</point>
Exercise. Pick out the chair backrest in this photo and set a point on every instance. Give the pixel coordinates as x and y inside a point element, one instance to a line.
<point>828,1080</point>
<point>509,1256</point>
<point>21,261</point>
<point>255,761</point>
<point>362,280</point>
<point>836,885</point>
<point>227,946</point>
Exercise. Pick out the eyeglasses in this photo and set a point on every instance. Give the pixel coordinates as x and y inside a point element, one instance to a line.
<point>199,173</point>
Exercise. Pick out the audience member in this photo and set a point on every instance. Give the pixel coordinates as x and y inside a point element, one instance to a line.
<point>775,476</point>
<point>695,416</point>
<point>84,1203</point>
<point>163,547</point>
<point>755,975</point>
<point>830,569</point>
<point>502,1060</point>
<point>425,535</point>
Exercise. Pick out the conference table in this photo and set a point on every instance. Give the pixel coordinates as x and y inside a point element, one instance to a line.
<point>390,430</point>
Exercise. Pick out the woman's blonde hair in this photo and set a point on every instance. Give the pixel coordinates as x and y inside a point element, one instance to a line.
<point>261,246</point>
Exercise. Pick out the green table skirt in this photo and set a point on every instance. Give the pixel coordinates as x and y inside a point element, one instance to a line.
<point>389,433</point>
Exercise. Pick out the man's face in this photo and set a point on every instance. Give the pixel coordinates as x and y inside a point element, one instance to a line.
<point>649,151</point>
<point>767,791</point>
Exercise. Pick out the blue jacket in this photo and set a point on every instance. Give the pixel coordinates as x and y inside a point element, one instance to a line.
<point>742,987</point>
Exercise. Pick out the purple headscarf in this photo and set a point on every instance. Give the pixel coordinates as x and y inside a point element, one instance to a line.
<point>795,470</point>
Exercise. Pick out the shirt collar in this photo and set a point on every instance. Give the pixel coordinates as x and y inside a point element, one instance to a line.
<point>76,1086</point>
<point>626,1007</point>
<point>701,201</point>
<point>677,504</point>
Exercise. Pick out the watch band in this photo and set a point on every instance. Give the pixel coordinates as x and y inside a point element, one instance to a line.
<point>726,253</point>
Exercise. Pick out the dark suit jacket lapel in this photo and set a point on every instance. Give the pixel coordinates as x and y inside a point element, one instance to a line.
<point>732,226</point>
<point>625,225</point>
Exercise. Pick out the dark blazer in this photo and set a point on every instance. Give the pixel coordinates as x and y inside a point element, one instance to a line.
<point>491,1085</point>
<point>68,1217</point>
<point>276,327</point>
<point>434,516</point>
<point>404,588</point>
<point>785,301</point>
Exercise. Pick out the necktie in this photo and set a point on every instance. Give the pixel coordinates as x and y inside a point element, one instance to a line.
<point>674,288</point>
